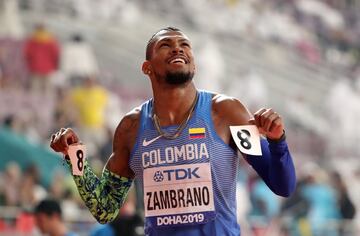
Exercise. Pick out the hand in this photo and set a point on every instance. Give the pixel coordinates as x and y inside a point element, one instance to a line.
<point>62,139</point>
<point>269,123</point>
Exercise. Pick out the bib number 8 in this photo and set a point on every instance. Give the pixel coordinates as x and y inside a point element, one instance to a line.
<point>80,157</point>
<point>244,136</point>
<point>77,155</point>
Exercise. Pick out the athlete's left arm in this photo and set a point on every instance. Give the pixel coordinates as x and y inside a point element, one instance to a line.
<point>275,166</point>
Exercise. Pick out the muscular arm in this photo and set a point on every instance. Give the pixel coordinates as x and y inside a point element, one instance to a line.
<point>124,139</point>
<point>275,166</point>
<point>105,195</point>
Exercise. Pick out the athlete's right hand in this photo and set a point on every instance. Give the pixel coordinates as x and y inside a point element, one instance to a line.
<point>62,139</point>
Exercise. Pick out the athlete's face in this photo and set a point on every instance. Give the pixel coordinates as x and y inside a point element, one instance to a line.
<point>171,58</point>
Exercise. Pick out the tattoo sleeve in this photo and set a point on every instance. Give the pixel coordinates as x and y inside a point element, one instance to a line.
<point>103,196</point>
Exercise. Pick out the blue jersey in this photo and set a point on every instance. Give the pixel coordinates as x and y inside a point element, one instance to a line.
<point>189,182</point>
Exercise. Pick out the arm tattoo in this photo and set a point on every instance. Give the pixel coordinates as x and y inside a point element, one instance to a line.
<point>103,196</point>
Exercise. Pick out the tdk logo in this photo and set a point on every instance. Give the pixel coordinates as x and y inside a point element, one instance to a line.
<point>158,176</point>
<point>176,174</point>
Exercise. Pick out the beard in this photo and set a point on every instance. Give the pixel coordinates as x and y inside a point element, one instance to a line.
<point>178,78</point>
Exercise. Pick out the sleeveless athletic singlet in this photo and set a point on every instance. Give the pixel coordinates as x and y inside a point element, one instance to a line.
<point>189,182</point>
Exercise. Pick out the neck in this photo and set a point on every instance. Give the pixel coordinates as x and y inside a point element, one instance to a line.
<point>171,105</point>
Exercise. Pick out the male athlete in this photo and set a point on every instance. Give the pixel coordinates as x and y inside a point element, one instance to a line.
<point>178,145</point>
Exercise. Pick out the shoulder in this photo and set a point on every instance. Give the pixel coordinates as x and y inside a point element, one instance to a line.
<point>230,109</point>
<point>124,140</point>
<point>129,123</point>
<point>221,101</point>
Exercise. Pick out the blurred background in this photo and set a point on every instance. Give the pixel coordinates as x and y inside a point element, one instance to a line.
<point>77,63</point>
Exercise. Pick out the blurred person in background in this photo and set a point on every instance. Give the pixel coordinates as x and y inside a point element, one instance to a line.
<point>63,114</point>
<point>295,210</point>
<point>343,99</point>
<point>354,191</point>
<point>12,65</point>
<point>89,101</point>
<point>31,191</point>
<point>172,119</point>
<point>345,204</point>
<point>265,207</point>
<point>10,20</point>
<point>77,60</point>
<point>57,188</point>
<point>49,219</point>
<point>324,212</point>
<point>42,55</point>
<point>10,183</point>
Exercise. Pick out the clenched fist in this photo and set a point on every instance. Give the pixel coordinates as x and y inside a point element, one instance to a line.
<point>269,123</point>
<point>62,139</point>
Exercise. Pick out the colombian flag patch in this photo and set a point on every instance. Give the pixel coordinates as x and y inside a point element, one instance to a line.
<point>196,133</point>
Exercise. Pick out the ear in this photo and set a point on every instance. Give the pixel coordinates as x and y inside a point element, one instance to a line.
<point>146,68</point>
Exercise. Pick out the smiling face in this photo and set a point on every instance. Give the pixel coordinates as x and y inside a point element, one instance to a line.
<point>170,58</point>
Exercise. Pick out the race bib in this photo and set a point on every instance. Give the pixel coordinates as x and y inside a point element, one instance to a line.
<point>76,154</point>
<point>247,139</point>
<point>179,195</point>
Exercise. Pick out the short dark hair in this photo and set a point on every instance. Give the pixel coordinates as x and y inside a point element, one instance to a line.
<point>48,207</point>
<point>151,40</point>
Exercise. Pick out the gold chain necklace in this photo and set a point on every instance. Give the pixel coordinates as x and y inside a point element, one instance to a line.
<point>181,126</point>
